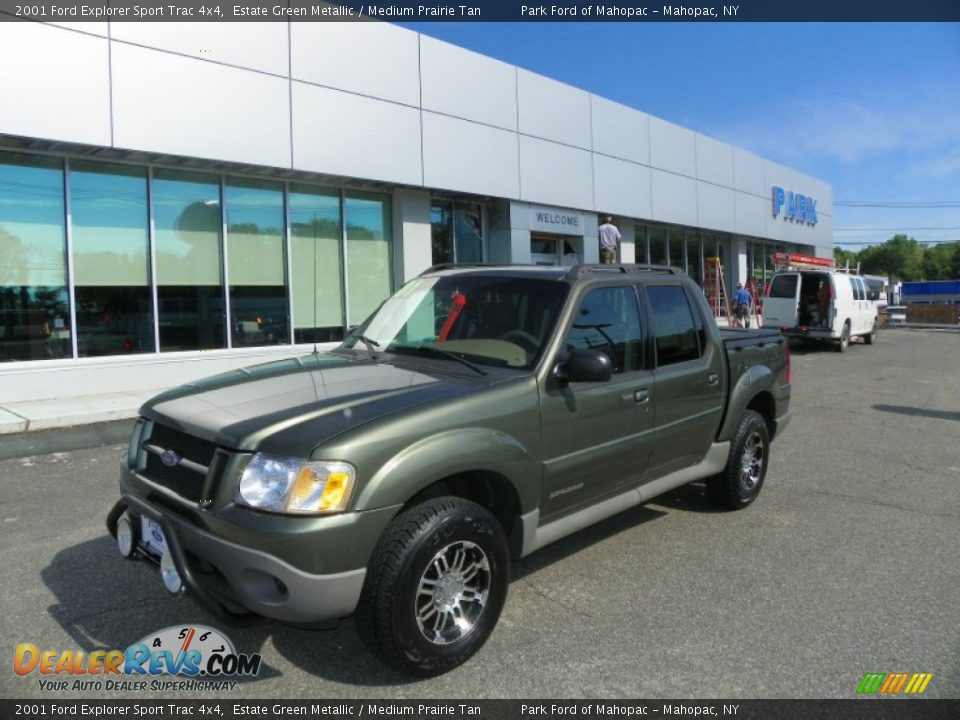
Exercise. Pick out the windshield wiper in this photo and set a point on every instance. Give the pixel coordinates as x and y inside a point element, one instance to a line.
<point>440,352</point>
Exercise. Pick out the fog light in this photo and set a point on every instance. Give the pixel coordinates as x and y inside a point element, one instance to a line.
<point>125,536</point>
<point>169,575</point>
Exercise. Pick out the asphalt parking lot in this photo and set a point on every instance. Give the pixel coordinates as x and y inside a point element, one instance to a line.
<point>846,564</point>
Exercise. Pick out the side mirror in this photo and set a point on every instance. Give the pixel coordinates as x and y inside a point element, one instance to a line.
<point>584,366</point>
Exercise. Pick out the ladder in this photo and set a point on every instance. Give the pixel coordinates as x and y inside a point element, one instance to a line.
<point>715,289</point>
<point>755,298</point>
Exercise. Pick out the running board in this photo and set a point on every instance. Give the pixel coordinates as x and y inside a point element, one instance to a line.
<point>536,536</point>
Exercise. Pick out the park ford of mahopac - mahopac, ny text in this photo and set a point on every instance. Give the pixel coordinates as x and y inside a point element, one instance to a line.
<point>627,13</point>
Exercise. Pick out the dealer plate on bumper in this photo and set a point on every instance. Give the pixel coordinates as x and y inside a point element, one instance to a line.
<point>151,537</point>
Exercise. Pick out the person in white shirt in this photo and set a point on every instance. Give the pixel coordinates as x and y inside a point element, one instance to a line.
<point>609,239</point>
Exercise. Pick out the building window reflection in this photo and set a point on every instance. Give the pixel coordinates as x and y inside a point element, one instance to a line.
<point>259,314</point>
<point>34,301</point>
<point>108,209</point>
<point>456,231</point>
<point>188,227</point>
<point>369,254</point>
<point>316,236</point>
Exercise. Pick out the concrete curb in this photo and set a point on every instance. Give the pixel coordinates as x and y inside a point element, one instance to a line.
<point>59,440</point>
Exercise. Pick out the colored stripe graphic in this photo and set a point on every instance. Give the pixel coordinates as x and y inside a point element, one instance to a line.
<point>871,682</point>
<point>894,683</point>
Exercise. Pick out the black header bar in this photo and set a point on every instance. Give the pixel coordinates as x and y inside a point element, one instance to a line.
<point>327,709</point>
<point>639,11</point>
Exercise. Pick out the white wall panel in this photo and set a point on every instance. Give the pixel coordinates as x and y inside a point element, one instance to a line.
<point>620,131</point>
<point>672,147</point>
<point>555,174</point>
<point>464,156</point>
<point>343,134</point>
<point>776,174</point>
<point>173,104</point>
<point>748,173</point>
<point>714,161</point>
<point>751,214</point>
<point>553,111</point>
<point>716,207</point>
<point>255,45</point>
<point>621,187</point>
<point>370,58</point>
<point>674,198</point>
<point>54,83</point>
<point>467,85</point>
<point>97,28</point>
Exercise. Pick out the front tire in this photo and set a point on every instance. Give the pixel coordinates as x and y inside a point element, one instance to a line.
<point>741,480</point>
<point>435,587</point>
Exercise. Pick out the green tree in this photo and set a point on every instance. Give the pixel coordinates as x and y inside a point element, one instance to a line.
<point>845,258</point>
<point>900,258</point>
<point>942,262</point>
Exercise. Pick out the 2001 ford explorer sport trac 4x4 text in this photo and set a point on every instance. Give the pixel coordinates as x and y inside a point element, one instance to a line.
<point>479,414</point>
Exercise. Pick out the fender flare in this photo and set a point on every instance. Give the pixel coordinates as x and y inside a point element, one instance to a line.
<point>453,452</point>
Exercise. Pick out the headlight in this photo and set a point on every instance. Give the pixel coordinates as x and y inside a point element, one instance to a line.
<point>292,485</point>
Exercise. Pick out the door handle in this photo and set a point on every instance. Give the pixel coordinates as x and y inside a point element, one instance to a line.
<point>641,395</point>
<point>713,379</point>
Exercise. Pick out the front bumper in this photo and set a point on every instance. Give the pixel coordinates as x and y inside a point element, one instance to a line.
<point>231,580</point>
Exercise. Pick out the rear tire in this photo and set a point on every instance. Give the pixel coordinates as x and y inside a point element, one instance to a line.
<point>844,341</point>
<point>871,336</point>
<point>740,482</point>
<point>435,587</point>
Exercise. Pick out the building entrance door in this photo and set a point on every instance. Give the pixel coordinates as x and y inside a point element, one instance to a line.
<point>550,249</point>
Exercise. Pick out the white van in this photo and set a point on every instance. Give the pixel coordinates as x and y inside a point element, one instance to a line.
<point>821,305</point>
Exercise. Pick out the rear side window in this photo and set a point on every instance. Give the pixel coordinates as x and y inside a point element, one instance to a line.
<point>861,290</point>
<point>608,320</point>
<point>784,286</point>
<point>674,325</point>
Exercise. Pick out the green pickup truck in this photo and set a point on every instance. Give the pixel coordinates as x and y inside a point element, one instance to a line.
<point>479,414</point>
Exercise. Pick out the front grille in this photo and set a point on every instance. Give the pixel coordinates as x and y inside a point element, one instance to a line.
<point>188,476</point>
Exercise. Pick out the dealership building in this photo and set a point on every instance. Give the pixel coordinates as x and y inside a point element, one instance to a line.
<point>178,199</point>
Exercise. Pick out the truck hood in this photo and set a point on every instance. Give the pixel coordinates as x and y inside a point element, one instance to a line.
<point>292,406</point>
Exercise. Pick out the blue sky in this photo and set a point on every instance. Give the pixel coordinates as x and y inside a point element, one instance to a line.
<point>871,108</point>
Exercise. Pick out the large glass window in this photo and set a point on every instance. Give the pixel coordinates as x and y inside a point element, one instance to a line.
<point>456,232</point>
<point>469,232</point>
<point>369,259</point>
<point>108,208</point>
<point>677,249</point>
<point>694,258</point>
<point>609,320</point>
<point>187,221</point>
<point>659,251</point>
<point>259,314</point>
<point>315,239</point>
<point>441,232</point>
<point>34,302</point>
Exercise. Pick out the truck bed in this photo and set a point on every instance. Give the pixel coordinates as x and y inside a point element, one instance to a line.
<point>738,338</point>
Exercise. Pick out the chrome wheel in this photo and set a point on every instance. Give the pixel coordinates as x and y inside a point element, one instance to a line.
<point>751,462</point>
<point>452,592</point>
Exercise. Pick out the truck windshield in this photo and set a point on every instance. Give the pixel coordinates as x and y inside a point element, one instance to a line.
<point>497,321</point>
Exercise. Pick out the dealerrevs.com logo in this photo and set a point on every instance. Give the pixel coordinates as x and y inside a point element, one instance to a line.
<point>203,655</point>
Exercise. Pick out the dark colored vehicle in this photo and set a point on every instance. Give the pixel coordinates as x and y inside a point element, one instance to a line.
<point>479,414</point>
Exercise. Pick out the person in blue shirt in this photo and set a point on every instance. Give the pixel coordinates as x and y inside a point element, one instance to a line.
<point>742,301</point>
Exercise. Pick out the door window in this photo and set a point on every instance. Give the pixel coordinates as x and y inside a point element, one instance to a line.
<point>784,286</point>
<point>608,320</point>
<point>673,321</point>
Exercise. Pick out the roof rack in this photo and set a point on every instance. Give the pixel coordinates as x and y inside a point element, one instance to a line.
<point>456,266</point>
<point>578,271</point>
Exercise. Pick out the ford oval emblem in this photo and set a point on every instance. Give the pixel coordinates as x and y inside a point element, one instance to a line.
<point>170,458</point>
